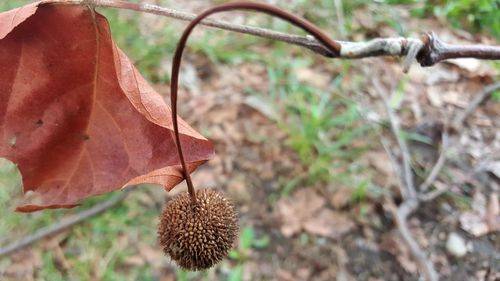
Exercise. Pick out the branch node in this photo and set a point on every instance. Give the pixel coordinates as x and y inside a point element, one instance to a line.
<point>436,50</point>
<point>426,57</point>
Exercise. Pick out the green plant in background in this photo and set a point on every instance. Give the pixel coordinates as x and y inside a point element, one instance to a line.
<point>97,241</point>
<point>11,4</point>
<point>496,96</point>
<point>320,123</point>
<point>479,14</point>
<point>247,242</point>
<point>475,15</point>
<point>221,46</point>
<point>183,275</point>
<point>472,15</point>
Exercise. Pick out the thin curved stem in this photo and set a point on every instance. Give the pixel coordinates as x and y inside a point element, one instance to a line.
<point>332,45</point>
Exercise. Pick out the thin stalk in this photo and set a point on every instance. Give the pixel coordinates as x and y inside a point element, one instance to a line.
<point>332,45</point>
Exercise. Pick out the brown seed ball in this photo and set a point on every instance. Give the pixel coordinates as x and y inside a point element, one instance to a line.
<point>197,236</point>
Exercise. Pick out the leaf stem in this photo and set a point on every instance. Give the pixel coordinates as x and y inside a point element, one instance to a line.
<point>333,47</point>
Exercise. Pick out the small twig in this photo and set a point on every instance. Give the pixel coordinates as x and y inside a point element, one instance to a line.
<point>394,162</point>
<point>400,215</point>
<point>408,190</point>
<point>436,169</point>
<point>65,223</point>
<point>431,195</point>
<point>478,99</point>
<point>414,48</point>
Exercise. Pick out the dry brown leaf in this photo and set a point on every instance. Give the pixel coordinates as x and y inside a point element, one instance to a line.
<point>393,244</point>
<point>493,213</point>
<point>381,162</point>
<point>77,117</point>
<point>473,223</point>
<point>264,105</point>
<point>239,191</point>
<point>153,256</point>
<point>484,217</point>
<point>291,223</point>
<point>285,275</point>
<point>434,96</point>
<point>454,98</point>
<point>306,210</point>
<point>328,223</point>
<point>24,266</point>
<point>468,64</point>
<point>341,197</point>
<point>314,78</point>
<point>168,276</point>
<point>134,261</point>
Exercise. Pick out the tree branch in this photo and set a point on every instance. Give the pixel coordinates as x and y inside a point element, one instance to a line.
<point>63,224</point>
<point>436,50</point>
<point>436,169</point>
<point>303,41</point>
<point>407,188</point>
<point>400,215</point>
<point>427,51</point>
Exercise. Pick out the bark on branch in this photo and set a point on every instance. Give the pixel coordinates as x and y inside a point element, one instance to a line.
<point>427,50</point>
<point>436,50</point>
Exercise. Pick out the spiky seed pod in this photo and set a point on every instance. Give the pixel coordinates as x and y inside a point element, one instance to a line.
<point>197,236</point>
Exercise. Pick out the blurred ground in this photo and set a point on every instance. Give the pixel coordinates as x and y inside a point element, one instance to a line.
<point>298,149</point>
